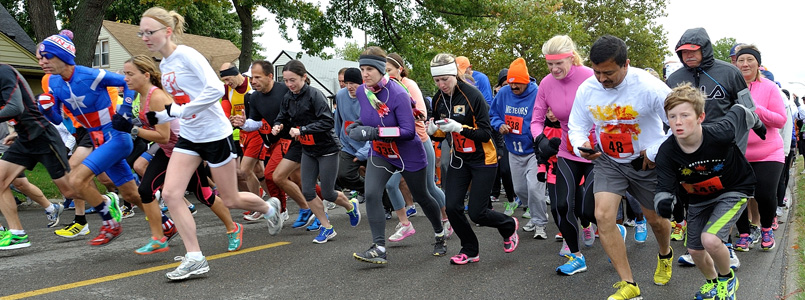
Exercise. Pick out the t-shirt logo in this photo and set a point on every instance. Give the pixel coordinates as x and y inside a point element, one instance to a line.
<point>169,81</point>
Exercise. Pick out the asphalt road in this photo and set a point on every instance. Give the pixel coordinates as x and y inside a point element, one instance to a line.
<point>290,266</point>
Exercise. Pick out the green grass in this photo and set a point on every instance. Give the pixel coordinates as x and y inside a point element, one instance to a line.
<point>799,225</point>
<point>40,178</point>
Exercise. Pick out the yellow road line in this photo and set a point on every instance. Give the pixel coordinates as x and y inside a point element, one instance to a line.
<point>132,273</point>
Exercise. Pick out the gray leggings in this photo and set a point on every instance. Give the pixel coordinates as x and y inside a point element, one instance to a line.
<point>392,186</point>
<point>324,168</point>
<point>376,178</point>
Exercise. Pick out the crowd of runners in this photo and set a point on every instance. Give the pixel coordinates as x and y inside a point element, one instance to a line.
<point>691,153</point>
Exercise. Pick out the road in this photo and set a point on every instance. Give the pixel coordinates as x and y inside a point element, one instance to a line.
<point>290,266</point>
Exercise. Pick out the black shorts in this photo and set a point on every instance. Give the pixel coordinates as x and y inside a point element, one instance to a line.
<point>48,149</point>
<point>294,153</point>
<point>216,153</point>
<point>82,138</point>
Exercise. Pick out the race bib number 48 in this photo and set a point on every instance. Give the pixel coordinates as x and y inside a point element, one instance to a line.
<point>618,145</point>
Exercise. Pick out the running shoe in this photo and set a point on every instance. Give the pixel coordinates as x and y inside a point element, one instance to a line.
<point>154,246</point>
<point>235,238</point>
<point>626,291</point>
<point>509,208</point>
<point>664,269</point>
<point>188,267</point>
<point>629,223</point>
<point>678,232</point>
<point>170,232</point>
<point>192,209</point>
<point>325,235</point>
<point>588,236</point>
<point>90,210</point>
<point>565,249</point>
<point>640,231</point>
<point>448,228</point>
<point>734,261</point>
<point>527,213</point>
<point>402,231</point>
<point>754,233</point>
<point>686,260</point>
<point>529,227</point>
<point>744,243</point>
<point>494,199</point>
<point>372,255</point>
<point>726,287</point>
<point>305,218</point>
<point>355,213</point>
<point>779,211</point>
<point>285,216</point>
<point>274,220</point>
<point>440,246</point>
<point>463,259</point>
<point>114,206</point>
<point>10,241</point>
<point>622,230</point>
<point>410,211</point>
<point>519,203</point>
<point>53,217</point>
<point>539,233</point>
<point>315,225</point>
<point>329,205</point>
<point>388,214</point>
<point>510,243</point>
<point>72,230</point>
<point>767,236</point>
<point>254,216</point>
<point>107,235</point>
<point>774,224</point>
<point>708,291</point>
<point>68,204</point>
<point>558,236</point>
<point>128,212</point>
<point>573,265</point>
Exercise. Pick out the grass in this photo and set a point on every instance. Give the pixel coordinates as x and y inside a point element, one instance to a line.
<point>40,178</point>
<point>799,225</point>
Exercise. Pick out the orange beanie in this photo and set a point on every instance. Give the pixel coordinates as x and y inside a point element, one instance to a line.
<point>518,73</point>
<point>463,63</point>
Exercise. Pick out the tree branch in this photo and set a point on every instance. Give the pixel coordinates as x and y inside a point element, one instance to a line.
<point>422,3</point>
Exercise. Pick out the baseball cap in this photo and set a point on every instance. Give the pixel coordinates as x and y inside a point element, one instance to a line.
<point>688,47</point>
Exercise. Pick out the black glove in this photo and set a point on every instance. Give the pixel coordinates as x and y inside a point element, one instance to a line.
<point>760,131</point>
<point>363,133</point>
<point>664,207</point>
<point>549,148</point>
<point>352,126</point>
<point>542,176</point>
<point>120,123</point>
<point>152,118</point>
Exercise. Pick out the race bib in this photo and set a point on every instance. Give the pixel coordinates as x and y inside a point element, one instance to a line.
<point>387,150</point>
<point>706,187</point>
<point>238,109</point>
<point>346,124</point>
<point>266,128</point>
<point>515,124</point>
<point>617,145</point>
<point>97,138</point>
<point>463,144</point>
<point>306,139</point>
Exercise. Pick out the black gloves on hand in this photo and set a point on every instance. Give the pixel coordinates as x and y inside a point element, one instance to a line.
<point>760,131</point>
<point>363,133</point>
<point>120,123</point>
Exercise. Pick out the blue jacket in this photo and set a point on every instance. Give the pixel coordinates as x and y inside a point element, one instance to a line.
<point>483,85</point>
<point>349,110</point>
<point>515,110</point>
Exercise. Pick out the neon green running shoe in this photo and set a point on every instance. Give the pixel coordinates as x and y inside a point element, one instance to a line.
<point>114,207</point>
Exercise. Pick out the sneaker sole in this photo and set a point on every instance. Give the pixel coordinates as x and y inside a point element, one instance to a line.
<point>453,262</point>
<point>379,261</point>
<point>559,272</point>
<point>73,236</point>
<point>407,234</point>
<point>16,246</point>
<point>160,250</point>
<point>195,272</point>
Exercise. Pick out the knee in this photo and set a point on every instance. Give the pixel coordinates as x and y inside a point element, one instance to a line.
<point>146,195</point>
<point>170,195</point>
<point>309,194</point>
<point>241,175</point>
<point>711,241</point>
<point>604,216</point>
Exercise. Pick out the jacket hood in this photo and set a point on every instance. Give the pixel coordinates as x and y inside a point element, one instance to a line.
<point>697,36</point>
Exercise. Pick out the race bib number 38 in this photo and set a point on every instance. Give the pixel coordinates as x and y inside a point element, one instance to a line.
<point>618,145</point>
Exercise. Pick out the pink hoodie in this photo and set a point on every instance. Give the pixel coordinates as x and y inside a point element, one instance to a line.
<point>771,110</point>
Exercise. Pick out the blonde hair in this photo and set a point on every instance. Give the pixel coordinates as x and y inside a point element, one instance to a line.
<point>170,19</point>
<point>442,59</point>
<point>562,44</point>
<point>685,93</point>
<point>753,47</point>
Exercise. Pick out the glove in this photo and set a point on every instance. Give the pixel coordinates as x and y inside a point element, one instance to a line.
<point>46,101</point>
<point>363,133</point>
<point>352,126</point>
<point>174,110</point>
<point>451,126</point>
<point>120,123</point>
<point>432,127</point>
<point>760,130</point>
<point>542,176</point>
<point>549,148</point>
<point>538,140</point>
<point>664,204</point>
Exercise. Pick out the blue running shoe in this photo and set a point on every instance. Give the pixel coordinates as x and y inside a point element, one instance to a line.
<point>316,224</point>
<point>640,232</point>
<point>622,229</point>
<point>355,213</point>
<point>411,211</point>
<point>708,291</point>
<point>305,218</point>
<point>573,265</point>
<point>325,235</point>
<point>90,210</point>
<point>68,204</point>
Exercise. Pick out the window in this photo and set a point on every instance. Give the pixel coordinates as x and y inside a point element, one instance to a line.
<point>101,58</point>
<point>278,73</point>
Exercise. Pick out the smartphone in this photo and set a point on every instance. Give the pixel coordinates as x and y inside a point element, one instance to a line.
<point>587,150</point>
<point>440,122</point>
<point>388,131</point>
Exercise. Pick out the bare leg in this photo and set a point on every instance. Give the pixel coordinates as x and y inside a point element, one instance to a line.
<point>606,210</point>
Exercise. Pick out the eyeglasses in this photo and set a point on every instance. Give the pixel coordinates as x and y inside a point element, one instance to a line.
<point>148,33</point>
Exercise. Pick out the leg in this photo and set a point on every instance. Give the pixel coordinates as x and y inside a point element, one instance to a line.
<point>282,177</point>
<point>606,208</point>
<point>455,183</point>
<point>180,168</point>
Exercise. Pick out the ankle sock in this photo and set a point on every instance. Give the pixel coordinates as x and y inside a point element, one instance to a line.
<point>667,256</point>
<point>50,209</point>
<point>103,209</point>
<point>80,219</point>
<point>195,255</point>
<point>17,232</point>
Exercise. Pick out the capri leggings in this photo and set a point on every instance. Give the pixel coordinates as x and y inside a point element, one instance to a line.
<point>767,174</point>
<point>154,178</point>
<point>322,168</point>
<point>393,184</point>
<point>573,199</point>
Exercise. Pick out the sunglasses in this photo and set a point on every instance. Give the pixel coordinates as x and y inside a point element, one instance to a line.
<point>148,33</point>
<point>47,55</point>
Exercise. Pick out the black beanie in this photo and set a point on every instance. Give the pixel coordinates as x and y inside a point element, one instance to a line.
<point>502,76</point>
<point>353,75</point>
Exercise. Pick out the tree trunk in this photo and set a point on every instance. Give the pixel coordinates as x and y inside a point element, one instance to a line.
<point>86,27</point>
<point>43,18</point>
<point>244,10</point>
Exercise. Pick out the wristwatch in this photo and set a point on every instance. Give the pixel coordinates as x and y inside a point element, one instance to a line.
<point>134,131</point>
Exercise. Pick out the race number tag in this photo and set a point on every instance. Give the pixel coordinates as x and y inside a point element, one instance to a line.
<point>306,139</point>
<point>387,150</point>
<point>346,124</point>
<point>618,145</point>
<point>706,187</point>
<point>238,109</point>
<point>515,124</point>
<point>97,138</point>
<point>265,128</point>
<point>463,144</point>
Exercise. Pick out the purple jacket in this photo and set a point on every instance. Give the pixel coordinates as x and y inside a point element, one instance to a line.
<point>408,146</point>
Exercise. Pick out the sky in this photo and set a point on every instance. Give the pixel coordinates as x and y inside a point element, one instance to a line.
<point>771,26</point>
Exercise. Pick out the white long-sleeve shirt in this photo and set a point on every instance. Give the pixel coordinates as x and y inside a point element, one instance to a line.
<point>628,118</point>
<point>193,83</point>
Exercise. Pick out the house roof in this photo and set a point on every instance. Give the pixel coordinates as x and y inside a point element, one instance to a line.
<point>325,72</point>
<point>217,51</point>
<point>10,27</point>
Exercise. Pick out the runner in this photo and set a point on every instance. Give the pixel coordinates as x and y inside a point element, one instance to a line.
<point>205,135</point>
<point>464,114</point>
<point>387,120</point>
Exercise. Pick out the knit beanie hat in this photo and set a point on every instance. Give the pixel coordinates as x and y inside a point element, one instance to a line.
<point>502,76</point>
<point>518,73</point>
<point>61,46</point>
<point>353,75</point>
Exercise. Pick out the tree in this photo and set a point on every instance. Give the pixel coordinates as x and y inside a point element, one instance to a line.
<point>17,10</point>
<point>350,51</point>
<point>721,48</point>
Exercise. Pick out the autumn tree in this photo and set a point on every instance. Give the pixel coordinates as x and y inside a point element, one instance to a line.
<point>721,48</point>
